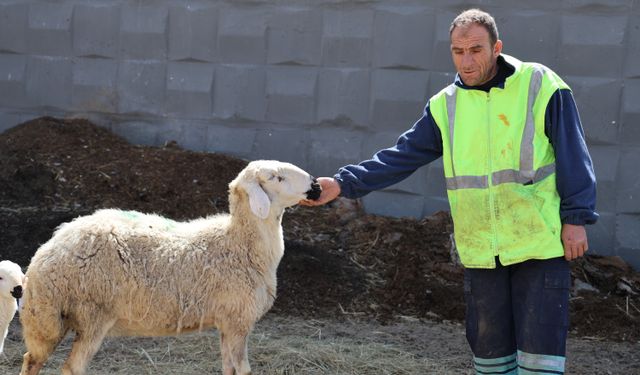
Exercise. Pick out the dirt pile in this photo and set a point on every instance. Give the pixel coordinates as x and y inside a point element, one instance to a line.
<point>338,263</point>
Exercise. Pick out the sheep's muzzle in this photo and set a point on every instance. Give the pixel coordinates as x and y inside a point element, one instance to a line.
<point>17,292</point>
<point>314,192</point>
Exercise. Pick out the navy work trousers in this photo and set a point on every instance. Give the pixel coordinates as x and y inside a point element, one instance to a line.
<point>517,316</point>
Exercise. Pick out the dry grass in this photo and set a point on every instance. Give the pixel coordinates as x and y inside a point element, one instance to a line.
<point>289,346</point>
<point>278,346</point>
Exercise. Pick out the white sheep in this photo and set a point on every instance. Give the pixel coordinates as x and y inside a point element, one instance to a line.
<point>124,273</point>
<point>11,284</point>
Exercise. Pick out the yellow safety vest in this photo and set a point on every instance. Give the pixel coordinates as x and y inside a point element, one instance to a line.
<point>500,168</point>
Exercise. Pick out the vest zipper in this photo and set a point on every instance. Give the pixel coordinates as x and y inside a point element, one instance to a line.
<point>492,207</point>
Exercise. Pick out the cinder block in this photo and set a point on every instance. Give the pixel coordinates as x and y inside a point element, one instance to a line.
<point>136,132</point>
<point>12,80</point>
<point>347,37</point>
<point>240,92</point>
<point>416,183</point>
<point>630,95</point>
<point>605,163</point>
<point>14,19</point>
<point>393,204</point>
<point>189,89</point>
<point>593,30</point>
<point>9,120</point>
<point>143,31</point>
<point>438,81</point>
<point>344,93</point>
<point>627,233</point>
<point>436,185</point>
<point>400,37</point>
<point>587,39</point>
<point>291,94</point>
<point>294,37</point>
<point>628,180</point>
<point>398,98</point>
<point>233,140</point>
<point>631,256</point>
<point>193,32</point>
<point>94,85</point>
<point>441,55</point>
<point>49,31</point>
<point>96,29</point>
<point>630,126</point>
<point>619,6</point>
<point>331,149</point>
<point>530,35</point>
<point>169,130</point>
<point>601,235</point>
<point>194,136</point>
<point>434,204</point>
<point>269,143</point>
<point>598,104</point>
<point>631,66</point>
<point>141,87</point>
<point>242,35</point>
<point>49,81</point>
<point>377,141</point>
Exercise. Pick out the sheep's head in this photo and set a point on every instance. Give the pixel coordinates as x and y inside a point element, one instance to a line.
<point>11,280</point>
<point>272,183</point>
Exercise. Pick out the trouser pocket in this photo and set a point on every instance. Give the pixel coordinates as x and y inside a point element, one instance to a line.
<point>555,298</point>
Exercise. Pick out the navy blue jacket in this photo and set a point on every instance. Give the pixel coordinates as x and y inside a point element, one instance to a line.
<point>422,144</point>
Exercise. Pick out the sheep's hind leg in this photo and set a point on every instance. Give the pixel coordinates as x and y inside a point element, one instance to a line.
<point>85,346</point>
<point>40,340</point>
<point>31,365</point>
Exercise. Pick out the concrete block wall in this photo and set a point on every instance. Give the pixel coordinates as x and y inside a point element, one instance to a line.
<point>317,83</point>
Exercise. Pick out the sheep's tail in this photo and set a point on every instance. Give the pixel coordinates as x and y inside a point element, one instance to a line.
<point>43,324</point>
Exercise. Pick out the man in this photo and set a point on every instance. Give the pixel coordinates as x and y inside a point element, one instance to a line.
<point>521,187</point>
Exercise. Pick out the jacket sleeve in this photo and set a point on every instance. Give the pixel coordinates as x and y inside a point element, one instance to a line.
<point>575,179</point>
<point>416,147</point>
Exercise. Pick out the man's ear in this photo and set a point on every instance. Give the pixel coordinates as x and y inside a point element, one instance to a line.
<point>497,48</point>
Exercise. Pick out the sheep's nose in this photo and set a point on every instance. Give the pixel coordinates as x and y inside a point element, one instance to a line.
<point>17,292</point>
<point>314,192</point>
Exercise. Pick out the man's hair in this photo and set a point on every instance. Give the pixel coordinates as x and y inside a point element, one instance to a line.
<point>476,16</point>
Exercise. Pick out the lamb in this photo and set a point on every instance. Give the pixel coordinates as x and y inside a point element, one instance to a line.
<point>11,284</point>
<point>125,273</point>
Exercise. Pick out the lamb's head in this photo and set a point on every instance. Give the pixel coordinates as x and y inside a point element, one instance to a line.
<point>273,185</point>
<point>11,280</point>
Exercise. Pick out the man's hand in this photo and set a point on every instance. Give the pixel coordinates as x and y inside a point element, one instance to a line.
<point>574,240</point>
<point>330,191</point>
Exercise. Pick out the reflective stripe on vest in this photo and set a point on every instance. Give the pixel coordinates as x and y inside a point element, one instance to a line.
<point>526,175</point>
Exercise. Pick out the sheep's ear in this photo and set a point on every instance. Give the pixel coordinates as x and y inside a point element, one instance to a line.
<point>258,200</point>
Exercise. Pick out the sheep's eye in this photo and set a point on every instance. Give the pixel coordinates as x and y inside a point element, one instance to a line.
<point>0,278</point>
<point>280,178</point>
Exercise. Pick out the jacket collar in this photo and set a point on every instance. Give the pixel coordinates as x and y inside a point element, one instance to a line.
<point>507,66</point>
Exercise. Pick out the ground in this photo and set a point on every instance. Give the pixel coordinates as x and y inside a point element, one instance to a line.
<point>349,282</point>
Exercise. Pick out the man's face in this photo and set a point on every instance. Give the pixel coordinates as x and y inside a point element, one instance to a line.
<point>473,55</point>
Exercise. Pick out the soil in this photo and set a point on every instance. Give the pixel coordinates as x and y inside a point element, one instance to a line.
<point>339,263</point>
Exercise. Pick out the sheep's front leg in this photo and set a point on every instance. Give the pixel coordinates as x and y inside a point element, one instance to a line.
<point>84,347</point>
<point>236,349</point>
<point>225,352</point>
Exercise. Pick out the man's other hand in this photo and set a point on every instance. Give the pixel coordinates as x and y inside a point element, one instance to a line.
<point>574,240</point>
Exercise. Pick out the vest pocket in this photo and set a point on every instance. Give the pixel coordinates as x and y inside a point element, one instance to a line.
<point>555,298</point>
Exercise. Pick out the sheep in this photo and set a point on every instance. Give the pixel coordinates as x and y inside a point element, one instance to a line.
<point>125,273</point>
<point>11,285</point>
